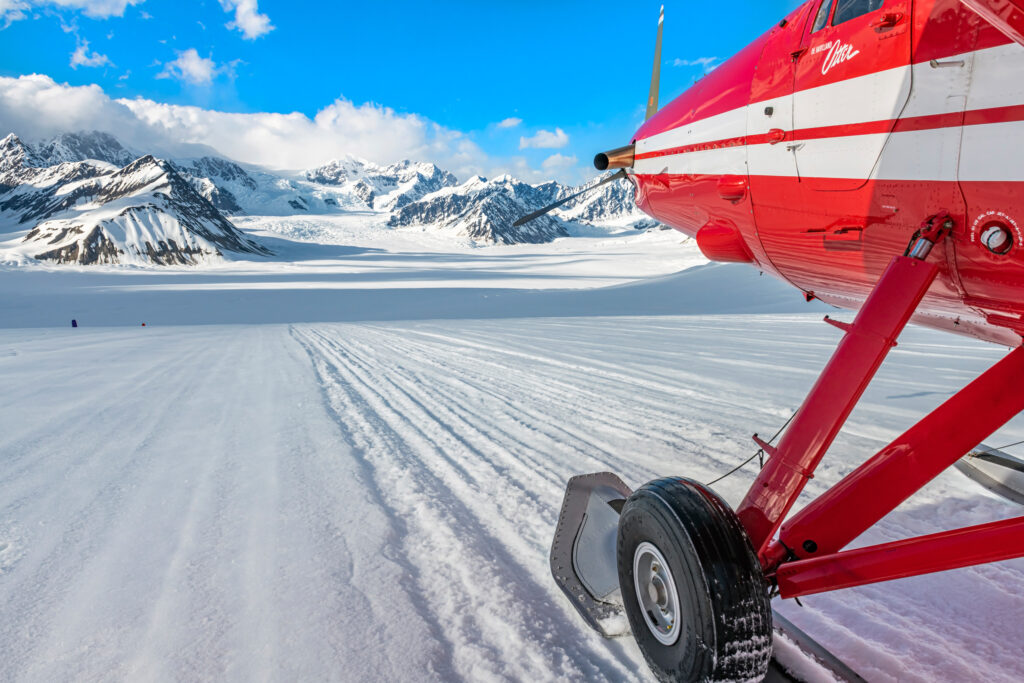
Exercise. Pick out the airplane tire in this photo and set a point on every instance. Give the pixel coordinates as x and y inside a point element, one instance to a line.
<point>700,609</point>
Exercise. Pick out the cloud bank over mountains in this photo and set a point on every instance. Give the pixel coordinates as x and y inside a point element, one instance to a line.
<point>35,107</point>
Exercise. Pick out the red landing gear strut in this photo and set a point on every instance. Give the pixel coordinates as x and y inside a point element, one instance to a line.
<point>672,563</point>
<point>804,554</point>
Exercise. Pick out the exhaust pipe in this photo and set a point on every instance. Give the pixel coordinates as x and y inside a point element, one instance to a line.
<point>615,158</point>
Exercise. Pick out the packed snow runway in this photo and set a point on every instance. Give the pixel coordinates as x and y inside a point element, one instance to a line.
<point>358,478</point>
<point>375,501</point>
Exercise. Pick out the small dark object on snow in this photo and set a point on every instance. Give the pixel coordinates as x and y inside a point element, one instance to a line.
<point>74,323</point>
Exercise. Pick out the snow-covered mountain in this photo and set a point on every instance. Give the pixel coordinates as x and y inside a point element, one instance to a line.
<point>383,187</point>
<point>71,147</point>
<point>218,181</point>
<point>55,204</point>
<point>484,211</point>
<point>90,212</point>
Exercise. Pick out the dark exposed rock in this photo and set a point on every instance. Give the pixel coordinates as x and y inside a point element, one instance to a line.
<point>95,248</point>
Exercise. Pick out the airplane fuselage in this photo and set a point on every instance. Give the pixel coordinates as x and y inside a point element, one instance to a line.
<point>817,151</point>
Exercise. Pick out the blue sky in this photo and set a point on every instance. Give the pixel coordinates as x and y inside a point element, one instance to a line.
<point>571,76</point>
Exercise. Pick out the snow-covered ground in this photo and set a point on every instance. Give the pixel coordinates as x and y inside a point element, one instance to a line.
<point>359,480</point>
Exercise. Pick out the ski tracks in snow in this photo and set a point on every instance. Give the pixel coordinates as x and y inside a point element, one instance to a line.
<point>449,462</point>
<point>470,431</point>
<point>376,502</point>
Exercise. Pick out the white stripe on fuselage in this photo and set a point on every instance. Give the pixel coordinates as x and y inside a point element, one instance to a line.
<point>989,152</point>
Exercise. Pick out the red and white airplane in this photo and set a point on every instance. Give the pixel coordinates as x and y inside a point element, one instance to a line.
<point>869,152</point>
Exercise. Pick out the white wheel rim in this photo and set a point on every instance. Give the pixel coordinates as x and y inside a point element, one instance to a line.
<point>656,592</point>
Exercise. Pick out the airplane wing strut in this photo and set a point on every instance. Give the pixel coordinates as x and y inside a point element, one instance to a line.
<point>1005,15</point>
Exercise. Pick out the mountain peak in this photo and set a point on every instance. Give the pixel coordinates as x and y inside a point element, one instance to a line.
<point>13,153</point>
<point>81,146</point>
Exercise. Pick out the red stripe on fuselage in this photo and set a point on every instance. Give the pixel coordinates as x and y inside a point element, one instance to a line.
<point>975,117</point>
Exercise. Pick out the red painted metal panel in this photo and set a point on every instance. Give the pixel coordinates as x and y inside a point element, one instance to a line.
<point>793,239</point>
<point>993,542</point>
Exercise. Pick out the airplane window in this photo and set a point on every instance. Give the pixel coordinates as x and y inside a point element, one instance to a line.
<point>822,18</point>
<point>851,9</point>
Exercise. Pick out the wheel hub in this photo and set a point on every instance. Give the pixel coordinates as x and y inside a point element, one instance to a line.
<point>656,592</point>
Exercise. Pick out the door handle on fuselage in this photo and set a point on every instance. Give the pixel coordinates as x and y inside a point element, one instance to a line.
<point>888,20</point>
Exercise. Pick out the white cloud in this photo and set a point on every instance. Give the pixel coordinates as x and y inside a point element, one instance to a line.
<point>510,122</point>
<point>14,10</point>
<point>190,67</point>
<point>248,20</point>
<point>545,139</point>
<point>82,57</point>
<point>558,163</point>
<point>36,107</point>
<point>97,9</point>
<point>708,64</point>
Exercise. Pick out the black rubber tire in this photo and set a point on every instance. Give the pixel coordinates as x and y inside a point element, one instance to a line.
<point>725,621</point>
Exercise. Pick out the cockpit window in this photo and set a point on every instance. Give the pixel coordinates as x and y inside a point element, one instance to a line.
<point>822,18</point>
<point>851,9</point>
